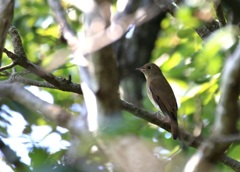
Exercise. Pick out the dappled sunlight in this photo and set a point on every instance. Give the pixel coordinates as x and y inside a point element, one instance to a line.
<point>44,95</point>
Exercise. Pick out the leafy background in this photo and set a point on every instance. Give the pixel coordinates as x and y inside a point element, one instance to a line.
<point>192,66</point>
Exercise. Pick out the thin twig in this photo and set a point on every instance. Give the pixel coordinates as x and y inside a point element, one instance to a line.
<point>16,77</point>
<point>7,66</point>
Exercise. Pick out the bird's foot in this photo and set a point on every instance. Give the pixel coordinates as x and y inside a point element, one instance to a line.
<point>159,115</point>
<point>167,119</point>
<point>162,117</point>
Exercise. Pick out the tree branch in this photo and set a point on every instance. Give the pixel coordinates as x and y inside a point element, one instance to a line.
<point>7,66</point>
<point>51,112</point>
<point>16,77</point>
<point>20,59</point>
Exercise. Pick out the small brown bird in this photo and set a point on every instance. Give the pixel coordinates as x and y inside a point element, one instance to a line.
<point>161,94</point>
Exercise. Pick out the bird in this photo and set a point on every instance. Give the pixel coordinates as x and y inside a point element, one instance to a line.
<point>161,94</point>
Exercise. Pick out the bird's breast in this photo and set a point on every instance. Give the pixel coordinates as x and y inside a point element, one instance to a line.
<point>149,93</point>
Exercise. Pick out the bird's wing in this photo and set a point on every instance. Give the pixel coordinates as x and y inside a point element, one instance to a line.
<point>163,94</point>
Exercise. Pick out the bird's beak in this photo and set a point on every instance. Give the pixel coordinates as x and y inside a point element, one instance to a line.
<point>139,69</point>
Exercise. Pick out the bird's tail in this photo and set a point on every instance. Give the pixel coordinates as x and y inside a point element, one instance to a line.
<point>174,129</point>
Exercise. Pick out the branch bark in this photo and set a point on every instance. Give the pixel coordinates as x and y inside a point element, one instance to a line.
<point>17,93</point>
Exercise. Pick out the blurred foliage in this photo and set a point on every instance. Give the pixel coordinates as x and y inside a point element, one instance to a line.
<point>192,65</point>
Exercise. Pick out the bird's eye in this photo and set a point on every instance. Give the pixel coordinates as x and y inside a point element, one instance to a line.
<point>148,67</point>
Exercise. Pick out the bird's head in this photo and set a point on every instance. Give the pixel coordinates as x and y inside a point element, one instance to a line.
<point>150,70</point>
